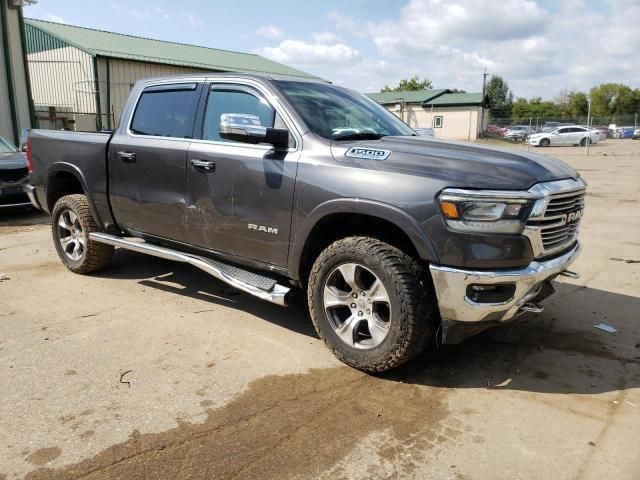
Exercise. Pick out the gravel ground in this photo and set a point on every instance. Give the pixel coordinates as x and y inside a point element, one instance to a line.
<point>151,369</point>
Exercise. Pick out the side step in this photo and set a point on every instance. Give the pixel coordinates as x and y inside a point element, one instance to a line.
<point>252,283</point>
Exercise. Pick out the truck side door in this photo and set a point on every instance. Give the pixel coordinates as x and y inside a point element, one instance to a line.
<point>148,161</point>
<point>240,195</point>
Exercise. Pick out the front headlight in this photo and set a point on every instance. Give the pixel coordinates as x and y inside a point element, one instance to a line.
<point>485,211</point>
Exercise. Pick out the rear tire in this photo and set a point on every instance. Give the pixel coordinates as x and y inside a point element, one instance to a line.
<point>545,142</point>
<point>71,223</point>
<point>372,326</point>
<point>583,142</point>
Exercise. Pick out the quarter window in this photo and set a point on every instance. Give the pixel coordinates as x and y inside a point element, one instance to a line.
<point>437,122</point>
<point>166,111</point>
<point>229,100</point>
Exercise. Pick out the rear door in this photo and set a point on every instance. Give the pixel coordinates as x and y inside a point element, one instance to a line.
<point>148,161</point>
<point>241,195</point>
<point>562,136</point>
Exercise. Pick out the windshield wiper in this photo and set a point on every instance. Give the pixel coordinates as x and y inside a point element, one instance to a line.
<point>360,136</point>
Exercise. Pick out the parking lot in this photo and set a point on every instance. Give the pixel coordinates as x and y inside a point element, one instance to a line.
<point>154,369</point>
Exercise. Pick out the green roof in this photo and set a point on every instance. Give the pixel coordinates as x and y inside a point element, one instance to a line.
<point>414,96</point>
<point>117,45</point>
<point>453,99</point>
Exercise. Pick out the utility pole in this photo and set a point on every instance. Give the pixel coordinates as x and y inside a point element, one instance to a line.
<point>484,93</point>
<point>588,142</point>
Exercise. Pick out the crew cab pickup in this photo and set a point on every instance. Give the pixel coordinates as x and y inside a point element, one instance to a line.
<point>400,241</point>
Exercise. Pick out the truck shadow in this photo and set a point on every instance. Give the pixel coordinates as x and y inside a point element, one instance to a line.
<point>558,351</point>
<point>23,217</point>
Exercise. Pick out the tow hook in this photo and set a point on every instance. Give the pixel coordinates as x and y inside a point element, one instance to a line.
<point>532,307</point>
<point>570,274</point>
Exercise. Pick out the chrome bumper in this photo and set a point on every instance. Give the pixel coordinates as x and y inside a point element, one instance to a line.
<point>30,190</point>
<point>451,286</point>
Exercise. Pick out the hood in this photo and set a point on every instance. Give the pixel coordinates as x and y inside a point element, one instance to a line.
<point>461,165</point>
<point>13,161</point>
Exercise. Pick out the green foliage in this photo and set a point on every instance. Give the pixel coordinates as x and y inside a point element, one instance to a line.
<point>614,99</point>
<point>500,97</point>
<point>410,84</point>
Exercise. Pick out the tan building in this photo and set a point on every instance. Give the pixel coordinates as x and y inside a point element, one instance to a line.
<point>14,90</point>
<point>81,77</point>
<point>453,116</point>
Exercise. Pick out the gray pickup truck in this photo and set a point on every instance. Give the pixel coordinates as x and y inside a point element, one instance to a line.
<point>400,241</point>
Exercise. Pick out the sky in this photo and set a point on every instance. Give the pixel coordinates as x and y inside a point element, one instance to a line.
<point>539,47</point>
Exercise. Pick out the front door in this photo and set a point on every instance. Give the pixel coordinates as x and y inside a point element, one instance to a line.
<point>148,162</point>
<point>240,195</point>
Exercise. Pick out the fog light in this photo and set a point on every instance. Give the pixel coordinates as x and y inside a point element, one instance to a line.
<point>491,293</point>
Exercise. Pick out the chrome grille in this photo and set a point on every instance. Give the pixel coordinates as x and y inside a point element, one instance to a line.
<point>550,227</point>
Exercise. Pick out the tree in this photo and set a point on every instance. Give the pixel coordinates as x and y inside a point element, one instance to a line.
<point>610,99</point>
<point>410,84</point>
<point>500,97</point>
<point>577,104</point>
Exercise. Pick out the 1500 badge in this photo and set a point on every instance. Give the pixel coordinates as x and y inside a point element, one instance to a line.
<point>368,153</point>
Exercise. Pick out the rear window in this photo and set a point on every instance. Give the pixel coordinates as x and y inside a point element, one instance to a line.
<point>166,111</point>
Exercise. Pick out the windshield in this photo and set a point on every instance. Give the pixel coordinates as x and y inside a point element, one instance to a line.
<point>339,114</point>
<point>6,146</point>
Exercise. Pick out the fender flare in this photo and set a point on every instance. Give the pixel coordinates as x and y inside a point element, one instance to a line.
<point>372,208</point>
<point>77,173</point>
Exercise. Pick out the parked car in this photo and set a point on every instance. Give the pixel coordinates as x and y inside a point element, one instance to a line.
<point>550,126</point>
<point>519,132</point>
<point>496,131</point>
<point>14,175</point>
<point>564,136</point>
<point>603,132</point>
<point>636,134</point>
<point>425,132</point>
<point>398,242</point>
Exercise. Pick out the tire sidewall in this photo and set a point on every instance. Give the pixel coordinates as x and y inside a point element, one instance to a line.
<point>393,339</point>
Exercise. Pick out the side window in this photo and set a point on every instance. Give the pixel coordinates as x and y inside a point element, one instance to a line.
<point>563,130</point>
<point>437,122</point>
<point>230,100</point>
<point>166,111</point>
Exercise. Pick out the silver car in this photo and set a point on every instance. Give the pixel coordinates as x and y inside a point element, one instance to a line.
<point>425,132</point>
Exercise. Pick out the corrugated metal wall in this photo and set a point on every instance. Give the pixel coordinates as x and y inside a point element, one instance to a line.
<point>123,74</point>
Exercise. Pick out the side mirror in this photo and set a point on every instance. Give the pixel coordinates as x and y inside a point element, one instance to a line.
<point>246,128</point>
<point>23,139</point>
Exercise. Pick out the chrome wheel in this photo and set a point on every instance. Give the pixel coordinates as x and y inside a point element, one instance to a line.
<point>357,306</point>
<point>71,236</point>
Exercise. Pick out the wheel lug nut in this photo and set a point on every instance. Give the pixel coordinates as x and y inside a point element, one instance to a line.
<point>353,305</point>
<point>362,293</point>
<point>359,314</point>
<point>354,295</point>
<point>368,300</point>
<point>368,312</point>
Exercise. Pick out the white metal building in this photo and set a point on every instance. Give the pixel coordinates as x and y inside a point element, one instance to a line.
<point>454,116</point>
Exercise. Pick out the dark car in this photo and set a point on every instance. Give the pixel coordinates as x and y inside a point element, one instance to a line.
<point>14,175</point>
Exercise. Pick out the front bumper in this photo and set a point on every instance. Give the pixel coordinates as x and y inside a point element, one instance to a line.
<point>529,284</point>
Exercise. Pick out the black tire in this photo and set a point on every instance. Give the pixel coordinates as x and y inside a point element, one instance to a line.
<point>583,142</point>
<point>93,255</point>
<point>545,142</point>
<point>413,317</point>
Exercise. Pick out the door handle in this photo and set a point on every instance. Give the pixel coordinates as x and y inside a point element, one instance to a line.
<point>128,157</point>
<point>203,164</point>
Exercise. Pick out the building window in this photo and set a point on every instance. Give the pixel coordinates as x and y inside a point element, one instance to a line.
<point>437,122</point>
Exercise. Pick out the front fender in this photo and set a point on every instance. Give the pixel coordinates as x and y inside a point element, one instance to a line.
<point>372,208</point>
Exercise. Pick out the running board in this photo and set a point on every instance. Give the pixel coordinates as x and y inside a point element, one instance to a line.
<point>254,284</point>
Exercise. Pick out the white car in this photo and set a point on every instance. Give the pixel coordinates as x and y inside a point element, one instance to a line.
<point>573,135</point>
<point>518,132</point>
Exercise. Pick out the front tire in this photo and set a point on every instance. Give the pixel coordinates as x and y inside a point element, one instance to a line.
<point>71,223</point>
<point>371,303</point>
<point>545,142</point>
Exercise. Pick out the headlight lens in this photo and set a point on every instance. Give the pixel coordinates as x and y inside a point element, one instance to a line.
<point>484,213</point>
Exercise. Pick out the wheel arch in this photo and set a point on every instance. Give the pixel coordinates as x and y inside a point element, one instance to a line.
<point>67,179</point>
<point>341,218</point>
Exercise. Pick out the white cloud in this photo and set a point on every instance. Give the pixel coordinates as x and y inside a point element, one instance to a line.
<point>297,52</point>
<point>139,15</point>
<point>193,20</point>
<point>342,22</point>
<point>270,31</point>
<point>161,13</point>
<point>326,38</point>
<point>55,18</point>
